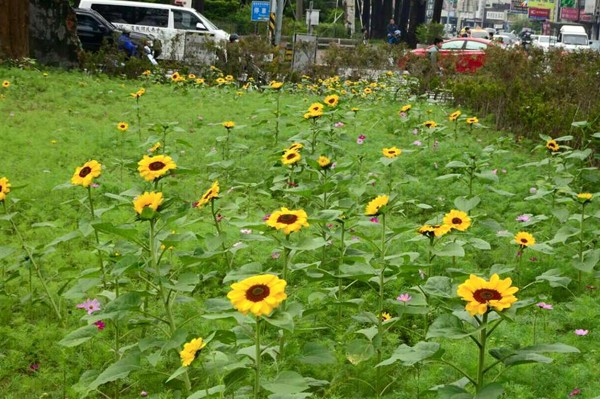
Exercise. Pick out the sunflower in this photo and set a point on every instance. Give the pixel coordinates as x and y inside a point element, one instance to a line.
<point>324,162</point>
<point>295,147</point>
<point>220,81</point>
<point>392,152</point>
<point>552,145</point>
<point>367,90</point>
<point>190,351</point>
<point>454,116</point>
<point>175,77</point>
<point>385,316</point>
<point>472,120</point>
<point>211,194</point>
<point>481,294</point>
<point>229,125</point>
<point>354,109</point>
<point>332,100</point>
<point>141,91</point>
<point>316,108</point>
<point>123,126</point>
<point>406,108</point>
<point>258,295</point>
<point>288,220</point>
<point>6,84</point>
<point>152,168</point>
<point>373,208</point>
<point>155,147</point>
<point>191,76</point>
<point>147,200</point>
<point>437,230</point>
<point>290,157</point>
<point>458,220</point>
<point>430,124</point>
<point>276,85</point>
<point>199,81</point>
<point>84,175</point>
<point>524,239</point>
<point>135,95</point>
<point>584,197</point>
<point>147,72</point>
<point>229,78</point>
<point>4,188</point>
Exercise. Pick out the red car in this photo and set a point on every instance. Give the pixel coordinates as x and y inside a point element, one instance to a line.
<point>468,51</point>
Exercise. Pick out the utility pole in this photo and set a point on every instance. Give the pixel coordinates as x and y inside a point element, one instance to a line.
<point>278,20</point>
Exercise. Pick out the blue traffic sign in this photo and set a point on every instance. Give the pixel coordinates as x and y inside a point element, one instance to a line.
<point>260,10</point>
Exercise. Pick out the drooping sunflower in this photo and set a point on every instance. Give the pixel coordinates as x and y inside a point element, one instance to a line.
<point>406,108</point>
<point>290,157</point>
<point>552,145</point>
<point>6,84</point>
<point>190,351</point>
<point>123,126</point>
<point>524,239</point>
<point>150,200</point>
<point>155,147</point>
<point>276,85</point>
<point>430,124</point>
<point>391,152</point>
<point>482,295</point>
<point>458,220</point>
<point>4,188</point>
<point>373,208</point>
<point>332,100</point>
<point>472,120</point>
<point>295,147</point>
<point>84,175</point>
<point>211,194</point>
<point>152,168</point>
<point>229,124</point>
<point>385,316</point>
<point>324,162</point>
<point>454,116</point>
<point>437,230</point>
<point>584,197</point>
<point>288,220</point>
<point>258,295</point>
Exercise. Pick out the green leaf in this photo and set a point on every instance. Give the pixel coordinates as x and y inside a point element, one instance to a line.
<point>590,261</point>
<point>450,249</point>
<point>309,244</point>
<point>281,320</point>
<point>490,391</point>
<point>563,234</point>
<point>316,353</point>
<point>447,326</point>
<point>118,370</point>
<point>6,251</point>
<point>79,336</point>
<point>448,176</point>
<point>464,204</point>
<point>130,234</point>
<point>499,192</point>
<point>439,286</point>
<point>177,373</point>
<point>487,175</point>
<point>288,382</point>
<point>412,355</point>
<point>370,332</point>
<point>554,278</point>
<point>203,393</point>
<point>479,243</point>
<point>453,392</point>
<point>64,238</point>
<point>359,350</point>
<point>550,348</point>
<point>525,358</point>
<point>456,164</point>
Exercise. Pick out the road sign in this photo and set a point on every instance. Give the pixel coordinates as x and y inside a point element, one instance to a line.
<point>260,11</point>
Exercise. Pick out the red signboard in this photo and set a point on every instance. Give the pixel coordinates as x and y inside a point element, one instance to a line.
<point>570,14</point>
<point>539,13</point>
<point>585,17</point>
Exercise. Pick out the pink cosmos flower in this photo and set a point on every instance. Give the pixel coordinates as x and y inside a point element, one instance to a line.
<point>338,124</point>
<point>275,255</point>
<point>495,171</point>
<point>404,298</point>
<point>91,305</point>
<point>574,392</point>
<point>33,367</point>
<point>533,190</point>
<point>402,114</point>
<point>544,305</point>
<point>143,394</point>
<point>95,185</point>
<point>362,137</point>
<point>245,231</point>
<point>415,131</point>
<point>503,170</point>
<point>220,217</point>
<point>330,225</point>
<point>581,332</point>
<point>523,218</point>
<point>359,141</point>
<point>417,143</point>
<point>100,324</point>
<point>374,220</point>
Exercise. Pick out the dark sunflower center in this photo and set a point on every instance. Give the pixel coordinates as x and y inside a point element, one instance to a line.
<point>291,156</point>
<point>85,171</point>
<point>456,221</point>
<point>485,295</point>
<point>208,194</point>
<point>392,152</point>
<point>257,293</point>
<point>287,219</point>
<point>1,189</point>
<point>158,165</point>
<point>524,240</point>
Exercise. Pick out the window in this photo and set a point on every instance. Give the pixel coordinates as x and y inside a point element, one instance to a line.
<point>134,15</point>
<point>473,45</point>
<point>185,20</point>
<point>453,45</point>
<point>87,23</point>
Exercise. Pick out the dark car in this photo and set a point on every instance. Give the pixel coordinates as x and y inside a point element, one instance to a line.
<point>94,30</point>
<point>468,52</point>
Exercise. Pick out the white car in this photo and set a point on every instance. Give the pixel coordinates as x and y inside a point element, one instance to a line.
<point>545,42</point>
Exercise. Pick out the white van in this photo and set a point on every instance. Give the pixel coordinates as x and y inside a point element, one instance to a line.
<point>185,34</point>
<point>573,37</point>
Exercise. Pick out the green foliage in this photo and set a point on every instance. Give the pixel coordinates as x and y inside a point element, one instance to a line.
<point>427,32</point>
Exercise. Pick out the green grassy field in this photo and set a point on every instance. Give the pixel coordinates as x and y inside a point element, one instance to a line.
<point>162,277</point>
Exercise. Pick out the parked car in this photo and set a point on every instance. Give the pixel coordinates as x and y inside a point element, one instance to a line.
<point>94,30</point>
<point>469,53</point>
<point>545,42</point>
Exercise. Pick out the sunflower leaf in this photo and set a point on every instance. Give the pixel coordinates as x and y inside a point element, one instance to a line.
<point>450,249</point>
<point>409,356</point>
<point>490,391</point>
<point>288,382</point>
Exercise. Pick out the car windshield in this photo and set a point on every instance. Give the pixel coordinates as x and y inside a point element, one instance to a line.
<point>575,39</point>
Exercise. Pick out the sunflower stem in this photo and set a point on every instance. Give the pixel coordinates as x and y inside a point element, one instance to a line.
<point>339,272</point>
<point>97,237</point>
<point>156,266</point>
<point>139,118</point>
<point>581,240</point>
<point>277,113</point>
<point>380,330</point>
<point>481,362</point>
<point>257,360</point>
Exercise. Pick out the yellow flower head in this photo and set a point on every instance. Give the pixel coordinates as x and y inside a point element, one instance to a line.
<point>229,125</point>
<point>324,162</point>
<point>191,76</point>
<point>290,157</point>
<point>4,188</point>
<point>355,109</point>
<point>199,81</point>
<point>258,295</point>
<point>288,220</point>
<point>229,78</point>
<point>524,239</point>
<point>295,147</point>
<point>276,85</point>
<point>6,84</point>
<point>123,126</point>
<point>367,90</point>
<point>472,120</point>
<point>152,168</point>
<point>430,124</point>
<point>584,197</point>
<point>385,316</point>
<point>84,175</point>
<point>149,200</point>
<point>454,116</point>
<point>458,220</point>
<point>373,208</point>
<point>316,108</point>
<point>406,108</point>
<point>175,77</point>
<point>147,72</point>
<point>482,295</point>
<point>211,194</point>
<point>392,152</point>
<point>332,100</point>
<point>220,81</point>
<point>155,147</point>
<point>190,351</point>
<point>435,230</point>
<point>552,145</point>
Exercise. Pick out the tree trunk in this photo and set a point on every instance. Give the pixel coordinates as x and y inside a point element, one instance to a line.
<point>198,5</point>
<point>403,19</point>
<point>299,10</point>
<point>437,11</point>
<point>366,16</point>
<point>377,20</point>
<point>417,17</point>
<point>53,33</point>
<point>14,34</point>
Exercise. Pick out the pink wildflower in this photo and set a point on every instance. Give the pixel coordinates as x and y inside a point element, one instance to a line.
<point>581,332</point>
<point>523,218</point>
<point>374,220</point>
<point>544,305</point>
<point>91,305</point>
<point>404,298</point>
<point>100,324</point>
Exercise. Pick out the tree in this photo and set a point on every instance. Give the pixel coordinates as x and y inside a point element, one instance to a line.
<point>14,35</point>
